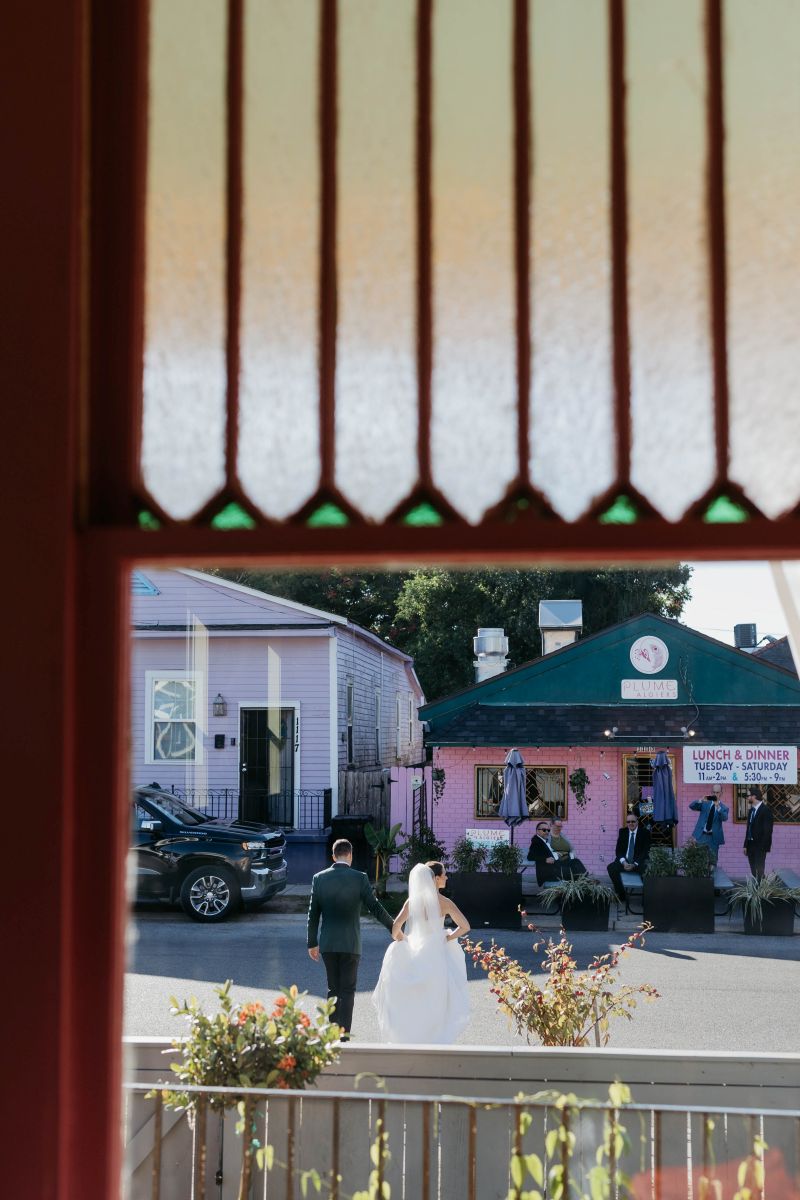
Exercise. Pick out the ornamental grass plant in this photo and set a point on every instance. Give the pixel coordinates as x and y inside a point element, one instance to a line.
<point>575,890</point>
<point>751,894</point>
<point>572,1006</point>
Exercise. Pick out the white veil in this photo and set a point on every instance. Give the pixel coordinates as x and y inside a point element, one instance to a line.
<point>424,913</point>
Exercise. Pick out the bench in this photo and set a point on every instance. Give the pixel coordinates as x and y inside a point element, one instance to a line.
<point>531,889</point>
<point>789,879</point>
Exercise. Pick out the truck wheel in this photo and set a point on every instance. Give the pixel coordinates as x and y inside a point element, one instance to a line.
<point>209,894</point>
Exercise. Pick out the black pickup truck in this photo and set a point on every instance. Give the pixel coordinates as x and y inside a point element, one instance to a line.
<point>211,866</point>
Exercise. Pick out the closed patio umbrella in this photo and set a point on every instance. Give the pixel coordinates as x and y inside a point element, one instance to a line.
<point>664,807</point>
<point>513,807</point>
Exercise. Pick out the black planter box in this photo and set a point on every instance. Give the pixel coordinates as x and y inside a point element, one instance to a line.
<point>487,898</point>
<point>585,915</point>
<point>674,904</point>
<point>777,919</point>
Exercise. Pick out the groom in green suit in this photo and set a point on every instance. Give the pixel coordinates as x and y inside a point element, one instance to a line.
<point>336,897</point>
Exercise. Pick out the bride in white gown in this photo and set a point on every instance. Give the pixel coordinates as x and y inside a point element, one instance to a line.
<point>422,990</point>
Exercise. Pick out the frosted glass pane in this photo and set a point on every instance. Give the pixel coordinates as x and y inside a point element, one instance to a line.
<point>474,372</point>
<point>572,433</point>
<point>673,448</point>
<point>376,382</point>
<point>184,358</point>
<point>278,459</point>
<point>762,95</point>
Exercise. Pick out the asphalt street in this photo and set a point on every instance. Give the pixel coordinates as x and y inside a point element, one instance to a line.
<point>721,991</point>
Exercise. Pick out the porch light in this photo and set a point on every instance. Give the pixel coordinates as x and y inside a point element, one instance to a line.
<point>687,733</point>
<point>219,706</point>
<point>610,733</point>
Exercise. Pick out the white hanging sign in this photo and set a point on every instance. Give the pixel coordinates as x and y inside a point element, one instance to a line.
<point>740,764</point>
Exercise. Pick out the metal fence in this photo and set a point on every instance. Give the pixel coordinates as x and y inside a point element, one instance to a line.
<point>449,1148</point>
<point>313,808</point>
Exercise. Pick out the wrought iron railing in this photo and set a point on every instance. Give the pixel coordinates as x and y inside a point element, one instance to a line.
<point>452,1148</point>
<point>312,807</point>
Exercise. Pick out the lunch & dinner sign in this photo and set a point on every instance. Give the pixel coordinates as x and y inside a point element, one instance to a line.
<point>740,764</point>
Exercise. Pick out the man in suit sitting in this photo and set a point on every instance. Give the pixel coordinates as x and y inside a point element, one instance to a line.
<point>633,848</point>
<point>336,898</point>
<point>708,830</point>
<point>550,865</point>
<point>758,834</point>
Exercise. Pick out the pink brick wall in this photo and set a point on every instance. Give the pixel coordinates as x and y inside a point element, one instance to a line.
<point>592,830</point>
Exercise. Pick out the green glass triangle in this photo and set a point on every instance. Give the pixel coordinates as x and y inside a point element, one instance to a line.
<point>232,516</point>
<point>148,521</point>
<point>621,512</point>
<point>724,511</point>
<point>423,514</point>
<point>328,516</point>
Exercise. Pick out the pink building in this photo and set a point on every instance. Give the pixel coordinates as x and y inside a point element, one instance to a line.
<point>606,705</point>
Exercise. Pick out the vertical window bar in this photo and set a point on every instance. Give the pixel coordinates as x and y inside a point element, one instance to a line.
<point>424,250</point>
<point>327,257</point>
<point>716,230</point>
<point>522,194</point>
<point>235,90</point>
<point>619,241</point>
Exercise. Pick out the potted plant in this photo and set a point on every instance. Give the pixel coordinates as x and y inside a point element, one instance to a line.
<point>244,1045</point>
<point>491,897</point>
<point>767,905</point>
<point>584,902</point>
<point>678,889</point>
<point>384,845</point>
<point>422,846</point>
<point>578,783</point>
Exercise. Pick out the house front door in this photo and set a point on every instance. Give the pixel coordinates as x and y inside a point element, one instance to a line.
<point>266,765</point>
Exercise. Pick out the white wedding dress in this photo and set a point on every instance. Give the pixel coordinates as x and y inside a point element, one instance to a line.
<point>421,996</point>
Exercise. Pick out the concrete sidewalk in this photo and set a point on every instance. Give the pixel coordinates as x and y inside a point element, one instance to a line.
<point>294,900</point>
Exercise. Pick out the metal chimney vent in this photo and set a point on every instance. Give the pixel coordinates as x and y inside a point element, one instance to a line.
<point>745,637</point>
<point>491,651</point>
<point>560,622</point>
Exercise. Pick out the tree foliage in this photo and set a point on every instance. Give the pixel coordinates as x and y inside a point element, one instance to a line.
<point>433,614</point>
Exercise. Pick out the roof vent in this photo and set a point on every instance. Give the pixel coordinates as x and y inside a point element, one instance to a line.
<point>560,622</point>
<point>491,651</point>
<point>745,638</point>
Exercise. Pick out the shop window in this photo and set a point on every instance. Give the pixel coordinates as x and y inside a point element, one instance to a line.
<point>782,798</point>
<point>637,797</point>
<point>545,791</point>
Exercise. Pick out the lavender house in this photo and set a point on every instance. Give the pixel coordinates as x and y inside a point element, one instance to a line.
<point>251,704</point>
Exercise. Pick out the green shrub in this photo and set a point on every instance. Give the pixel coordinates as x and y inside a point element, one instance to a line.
<point>661,863</point>
<point>694,860</point>
<point>467,857</point>
<point>505,859</point>
<point>421,847</point>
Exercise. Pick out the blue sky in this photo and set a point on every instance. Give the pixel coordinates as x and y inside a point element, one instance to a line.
<point>729,593</point>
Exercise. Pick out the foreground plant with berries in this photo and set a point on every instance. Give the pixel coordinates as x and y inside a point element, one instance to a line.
<point>573,1005</point>
<point>244,1045</point>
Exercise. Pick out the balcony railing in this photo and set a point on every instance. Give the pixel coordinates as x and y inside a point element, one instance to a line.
<point>451,1148</point>
<point>313,808</point>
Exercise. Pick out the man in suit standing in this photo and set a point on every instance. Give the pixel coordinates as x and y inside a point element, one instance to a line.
<point>336,898</point>
<point>758,834</point>
<point>631,853</point>
<point>708,830</point>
